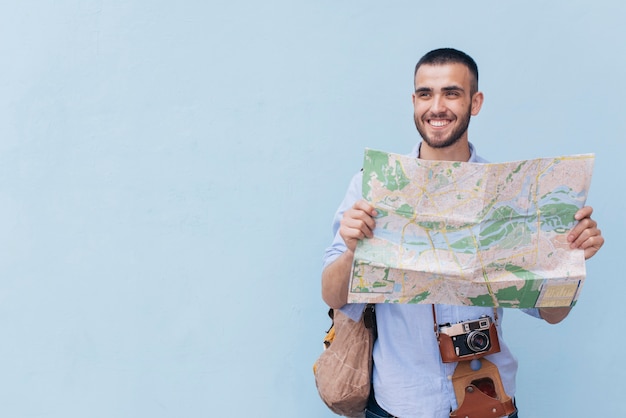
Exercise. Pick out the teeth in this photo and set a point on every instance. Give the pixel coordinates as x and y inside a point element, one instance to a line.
<point>439,122</point>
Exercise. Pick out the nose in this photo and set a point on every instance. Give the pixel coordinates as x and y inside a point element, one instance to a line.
<point>438,104</point>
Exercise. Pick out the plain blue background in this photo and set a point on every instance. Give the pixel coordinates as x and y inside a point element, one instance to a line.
<point>169,172</point>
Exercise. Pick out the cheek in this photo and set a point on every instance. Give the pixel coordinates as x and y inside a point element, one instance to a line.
<point>419,110</point>
<point>461,109</point>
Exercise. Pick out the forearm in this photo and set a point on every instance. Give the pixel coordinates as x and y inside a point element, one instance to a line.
<point>335,279</point>
<point>554,315</point>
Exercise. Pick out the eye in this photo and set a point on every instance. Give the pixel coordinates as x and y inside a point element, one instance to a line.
<point>453,93</point>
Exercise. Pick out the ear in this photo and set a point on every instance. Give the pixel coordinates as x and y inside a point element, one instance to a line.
<point>477,102</point>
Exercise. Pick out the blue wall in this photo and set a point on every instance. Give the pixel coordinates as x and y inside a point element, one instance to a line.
<point>169,171</point>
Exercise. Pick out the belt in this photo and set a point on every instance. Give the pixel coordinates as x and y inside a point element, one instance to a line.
<point>372,406</point>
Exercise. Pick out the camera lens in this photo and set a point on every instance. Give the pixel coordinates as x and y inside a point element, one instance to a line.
<point>477,341</point>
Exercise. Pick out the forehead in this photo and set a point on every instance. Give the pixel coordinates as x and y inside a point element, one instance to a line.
<point>445,75</point>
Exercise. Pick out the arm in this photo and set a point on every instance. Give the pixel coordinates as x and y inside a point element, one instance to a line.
<point>357,223</point>
<point>585,236</point>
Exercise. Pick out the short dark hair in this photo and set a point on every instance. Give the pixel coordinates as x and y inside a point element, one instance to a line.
<point>444,56</point>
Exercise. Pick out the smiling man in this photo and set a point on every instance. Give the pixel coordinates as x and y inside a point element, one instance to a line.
<point>410,379</point>
<point>445,98</point>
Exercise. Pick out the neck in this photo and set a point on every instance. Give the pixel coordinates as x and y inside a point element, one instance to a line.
<point>457,152</point>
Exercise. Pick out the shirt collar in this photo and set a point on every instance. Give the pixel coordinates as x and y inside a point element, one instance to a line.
<point>474,158</point>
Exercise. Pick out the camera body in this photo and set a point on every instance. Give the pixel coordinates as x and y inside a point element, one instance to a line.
<point>468,340</point>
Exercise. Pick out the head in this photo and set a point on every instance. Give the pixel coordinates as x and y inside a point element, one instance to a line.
<point>445,56</point>
<point>446,96</point>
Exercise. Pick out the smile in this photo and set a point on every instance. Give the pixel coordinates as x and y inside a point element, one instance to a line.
<point>438,123</point>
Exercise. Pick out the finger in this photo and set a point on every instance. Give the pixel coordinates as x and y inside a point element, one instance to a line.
<point>364,212</point>
<point>360,219</point>
<point>589,240</point>
<point>357,223</point>
<point>364,206</point>
<point>360,225</point>
<point>592,245</point>
<point>584,212</point>
<point>582,226</point>
<point>580,235</point>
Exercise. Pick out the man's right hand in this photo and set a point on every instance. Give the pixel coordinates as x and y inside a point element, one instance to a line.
<point>357,223</point>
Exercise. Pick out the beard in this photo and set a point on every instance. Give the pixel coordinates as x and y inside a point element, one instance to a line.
<point>439,140</point>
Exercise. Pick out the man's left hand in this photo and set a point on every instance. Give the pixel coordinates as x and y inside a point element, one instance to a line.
<point>586,235</point>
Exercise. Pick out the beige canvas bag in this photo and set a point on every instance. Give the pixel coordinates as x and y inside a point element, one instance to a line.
<point>343,371</point>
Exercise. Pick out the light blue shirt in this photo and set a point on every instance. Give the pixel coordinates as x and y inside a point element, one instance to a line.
<point>409,378</point>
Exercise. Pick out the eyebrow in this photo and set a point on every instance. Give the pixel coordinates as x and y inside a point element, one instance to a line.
<point>448,88</point>
<point>452,88</point>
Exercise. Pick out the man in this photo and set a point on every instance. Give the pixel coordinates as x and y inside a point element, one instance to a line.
<point>409,378</point>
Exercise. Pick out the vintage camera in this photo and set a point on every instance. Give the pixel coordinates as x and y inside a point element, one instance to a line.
<point>468,340</point>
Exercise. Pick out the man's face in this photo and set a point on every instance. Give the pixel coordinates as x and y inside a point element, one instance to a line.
<point>443,104</point>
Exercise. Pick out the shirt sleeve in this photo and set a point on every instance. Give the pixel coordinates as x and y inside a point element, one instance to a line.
<point>353,194</point>
<point>338,246</point>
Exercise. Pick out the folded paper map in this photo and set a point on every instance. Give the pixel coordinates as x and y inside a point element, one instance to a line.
<point>471,234</point>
